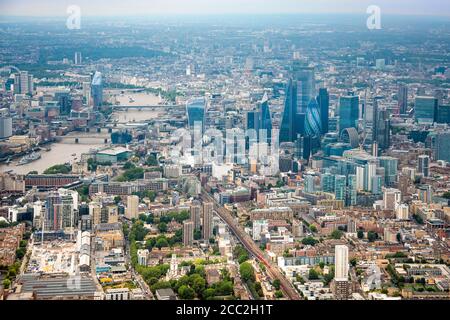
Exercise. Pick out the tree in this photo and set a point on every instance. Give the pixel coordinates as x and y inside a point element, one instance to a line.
<point>372,236</point>
<point>247,272</point>
<point>151,161</point>
<point>309,241</point>
<point>337,234</point>
<point>117,199</point>
<point>162,227</point>
<point>6,283</point>
<point>278,294</point>
<point>162,243</point>
<point>313,275</point>
<point>360,234</point>
<point>276,284</point>
<point>186,293</point>
<point>353,262</point>
<point>313,228</point>
<point>198,284</point>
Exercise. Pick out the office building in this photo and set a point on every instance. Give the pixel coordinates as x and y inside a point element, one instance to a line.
<point>442,146</point>
<point>425,109</point>
<point>195,110</point>
<point>323,99</point>
<point>402,97</point>
<point>348,112</point>
<point>305,83</point>
<point>97,90</point>
<point>443,114</point>
<point>288,126</point>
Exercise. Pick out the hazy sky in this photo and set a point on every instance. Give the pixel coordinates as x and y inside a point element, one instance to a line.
<point>142,7</point>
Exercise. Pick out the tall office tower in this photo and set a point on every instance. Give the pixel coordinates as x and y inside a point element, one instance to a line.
<point>304,76</point>
<point>424,165</point>
<point>195,211</point>
<point>132,207</point>
<point>348,112</point>
<point>341,262</point>
<point>370,170</point>
<point>402,97</point>
<point>64,101</point>
<point>207,229</point>
<point>53,218</point>
<point>265,120</point>
<point>87,93</point>
<point>383,129</point>
<point>443,114</point>
<point>340,183</point>
<point>97,90</point>
<point>77,58</point>
<point>252,123</point>
<point>351,190</point>
<point>195,110</point>
<point>188,233</point>
<point>390,165</point>
<point>23,83</point>
<point>95,211</point>
<point>327,182</point>
<point>375,123</point>
<point>391,198</point>
<point>425,109</point>
<point>442,146</point>
<point>323,100</point>
<point>5,124</point>
<point>287,127</point>
<point>303,147</point>
<point>313,125</point>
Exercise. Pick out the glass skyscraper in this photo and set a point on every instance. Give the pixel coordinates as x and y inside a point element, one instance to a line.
<point>97,89</point>
<point>323,99</point>
<point>195,109</point>
<point>348,112</point>
<point>288,128</point>
<point>304,76</point>
<point>313,125</point>
<point>425,109</point>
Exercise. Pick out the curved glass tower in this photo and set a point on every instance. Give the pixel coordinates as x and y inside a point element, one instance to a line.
<point>195,110</point>
<point>313,124</point>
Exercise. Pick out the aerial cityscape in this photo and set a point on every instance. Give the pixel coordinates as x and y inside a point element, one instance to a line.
<point>281,155</point>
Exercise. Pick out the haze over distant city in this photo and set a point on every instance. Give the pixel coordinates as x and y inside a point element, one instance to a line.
<point>140,7</point>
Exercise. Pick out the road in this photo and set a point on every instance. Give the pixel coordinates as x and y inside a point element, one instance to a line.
<point>250,245</point>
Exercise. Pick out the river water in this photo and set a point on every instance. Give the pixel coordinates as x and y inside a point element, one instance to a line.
<point>67,151</point>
